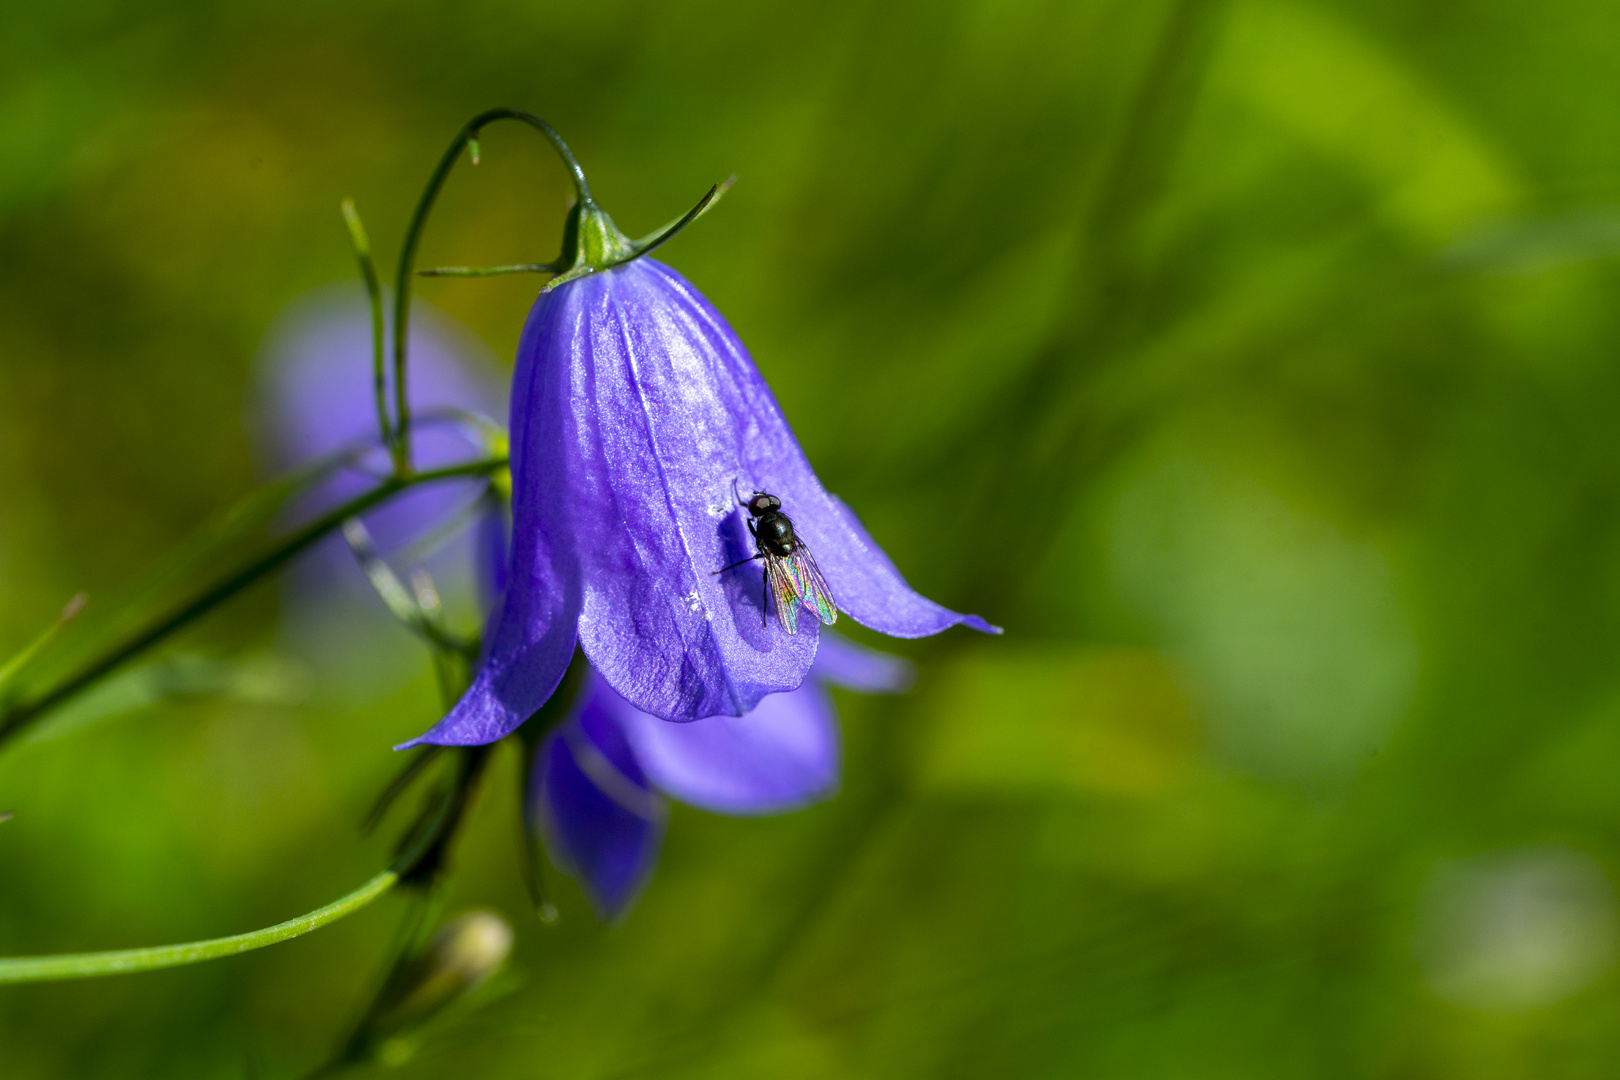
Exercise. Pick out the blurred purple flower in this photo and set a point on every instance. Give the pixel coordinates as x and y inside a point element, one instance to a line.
<point>597,783</point>
<point>635,411</point>
<point>314,397</point>
<point>318,392</point>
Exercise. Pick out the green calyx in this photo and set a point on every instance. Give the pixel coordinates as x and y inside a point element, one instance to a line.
<point>591,241</point>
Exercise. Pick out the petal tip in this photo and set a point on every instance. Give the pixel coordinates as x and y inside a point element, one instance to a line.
<point>430,738</point>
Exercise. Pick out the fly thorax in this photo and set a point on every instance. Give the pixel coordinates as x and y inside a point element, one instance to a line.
<point>775,534</point>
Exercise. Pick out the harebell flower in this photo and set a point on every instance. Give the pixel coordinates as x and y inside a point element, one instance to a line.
<point>637,415</point>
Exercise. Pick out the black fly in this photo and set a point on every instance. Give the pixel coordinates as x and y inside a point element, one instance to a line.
<point>790,570</point>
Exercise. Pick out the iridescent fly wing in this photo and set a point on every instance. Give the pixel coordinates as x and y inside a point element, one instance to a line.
<point>780,575</point>
<point>811,586</point>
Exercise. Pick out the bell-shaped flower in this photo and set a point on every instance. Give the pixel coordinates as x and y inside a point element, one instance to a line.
<point>637,416</point>
<point>598,782</point>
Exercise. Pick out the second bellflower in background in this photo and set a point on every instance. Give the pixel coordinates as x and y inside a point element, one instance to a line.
<point>314,398</point>
<point>596,785</point>
<point>636,415</point>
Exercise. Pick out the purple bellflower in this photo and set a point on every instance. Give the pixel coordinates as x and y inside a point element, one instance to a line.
<point>637,416</point>
<point>597,783</point>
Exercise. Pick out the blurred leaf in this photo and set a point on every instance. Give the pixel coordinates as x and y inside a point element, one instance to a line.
<point>1305,69</point>
<point>1013,718</point>
<point>262,680</point>
<point>231,540</point>
<point>1292,631</point>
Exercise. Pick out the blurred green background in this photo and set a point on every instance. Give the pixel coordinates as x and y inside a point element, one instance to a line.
<point>1253,363</point>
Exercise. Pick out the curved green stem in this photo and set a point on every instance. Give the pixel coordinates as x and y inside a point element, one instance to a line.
<point>368,271</point>
<point>86,965</point>
<point>400,601</point>
<point>27,710</point>
<point>413,235</point>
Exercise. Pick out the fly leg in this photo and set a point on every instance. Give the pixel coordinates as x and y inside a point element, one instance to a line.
<point>734,565</point>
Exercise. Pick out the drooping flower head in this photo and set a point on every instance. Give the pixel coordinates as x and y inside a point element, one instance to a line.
<point>637,416</point>
<point>597,783</point>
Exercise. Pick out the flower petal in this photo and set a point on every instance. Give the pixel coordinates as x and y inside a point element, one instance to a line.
<point>535,634</point>
<point>782,756</point>
<point>864,582</point>
<point>841,662</point>
<point>654,436</point>
<point>867,585</point>
<point>590,801</point>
